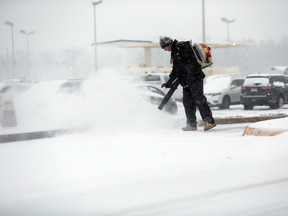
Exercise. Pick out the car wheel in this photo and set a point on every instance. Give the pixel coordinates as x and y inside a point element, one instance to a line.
<point>248,107</point>
<point>278,104</point>
<point>225,103</point>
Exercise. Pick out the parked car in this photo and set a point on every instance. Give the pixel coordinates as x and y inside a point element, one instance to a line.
<point>71,86</point>
<point>264,90</point>
<point>17,86</point>
<point>157,79</point>
<point>155,96</point>
<point>222,90</point>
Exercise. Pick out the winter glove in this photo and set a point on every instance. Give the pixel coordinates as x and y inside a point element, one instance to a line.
<point>168,84</point>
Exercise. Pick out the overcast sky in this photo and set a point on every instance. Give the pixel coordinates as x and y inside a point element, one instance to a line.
<point>69,23</point>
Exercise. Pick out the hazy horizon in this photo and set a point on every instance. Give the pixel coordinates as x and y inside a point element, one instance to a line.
<point>63,23</point>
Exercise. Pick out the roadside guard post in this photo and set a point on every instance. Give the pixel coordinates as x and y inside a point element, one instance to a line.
<point>8,114</point>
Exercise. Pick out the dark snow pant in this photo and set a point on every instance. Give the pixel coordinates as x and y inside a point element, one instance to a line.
<point>193,97</point>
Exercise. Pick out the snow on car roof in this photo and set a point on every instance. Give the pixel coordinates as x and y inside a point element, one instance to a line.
<point>216,83</point>
<point>263,75</point>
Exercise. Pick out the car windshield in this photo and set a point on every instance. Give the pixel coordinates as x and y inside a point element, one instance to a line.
<point>256,81</point>
<point>17,87</point>
<point>154,78</point>
<point>151,77</point>
<point>71,87</point>
<point>155,90</point>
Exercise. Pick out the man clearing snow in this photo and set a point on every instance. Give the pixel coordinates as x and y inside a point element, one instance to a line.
<point>190,75</point>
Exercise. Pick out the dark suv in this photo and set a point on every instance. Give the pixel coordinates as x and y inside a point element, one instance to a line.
<point>264,89</point>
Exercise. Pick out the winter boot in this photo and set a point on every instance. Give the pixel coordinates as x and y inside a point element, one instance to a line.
<point>189,127</point>
<point>209,126</point>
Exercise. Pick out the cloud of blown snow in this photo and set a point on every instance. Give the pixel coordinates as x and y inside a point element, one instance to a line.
<point>105,102</point>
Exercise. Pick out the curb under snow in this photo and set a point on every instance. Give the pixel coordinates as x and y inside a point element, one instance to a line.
<point>267,128</point>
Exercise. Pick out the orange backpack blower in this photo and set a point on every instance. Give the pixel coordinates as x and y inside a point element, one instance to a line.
<point>202,53</point>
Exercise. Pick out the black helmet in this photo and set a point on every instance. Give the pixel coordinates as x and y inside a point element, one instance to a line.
<point>165,41</point>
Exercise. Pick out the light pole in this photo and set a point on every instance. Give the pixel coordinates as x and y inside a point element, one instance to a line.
<point>225,20</point>
<point>95,36</point>
<point>12,34</point>
<point>6,62</point>
<point>28,50</point>
<point>203,22</point>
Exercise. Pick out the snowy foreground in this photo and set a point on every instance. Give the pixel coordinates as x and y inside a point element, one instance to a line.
<point>164,172</point>
<point>145,166</point>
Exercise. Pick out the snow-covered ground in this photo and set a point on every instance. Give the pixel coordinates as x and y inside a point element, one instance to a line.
<point>135,160</point>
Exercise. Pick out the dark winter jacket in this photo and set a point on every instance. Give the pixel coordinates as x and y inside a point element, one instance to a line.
<point>185,65</point>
